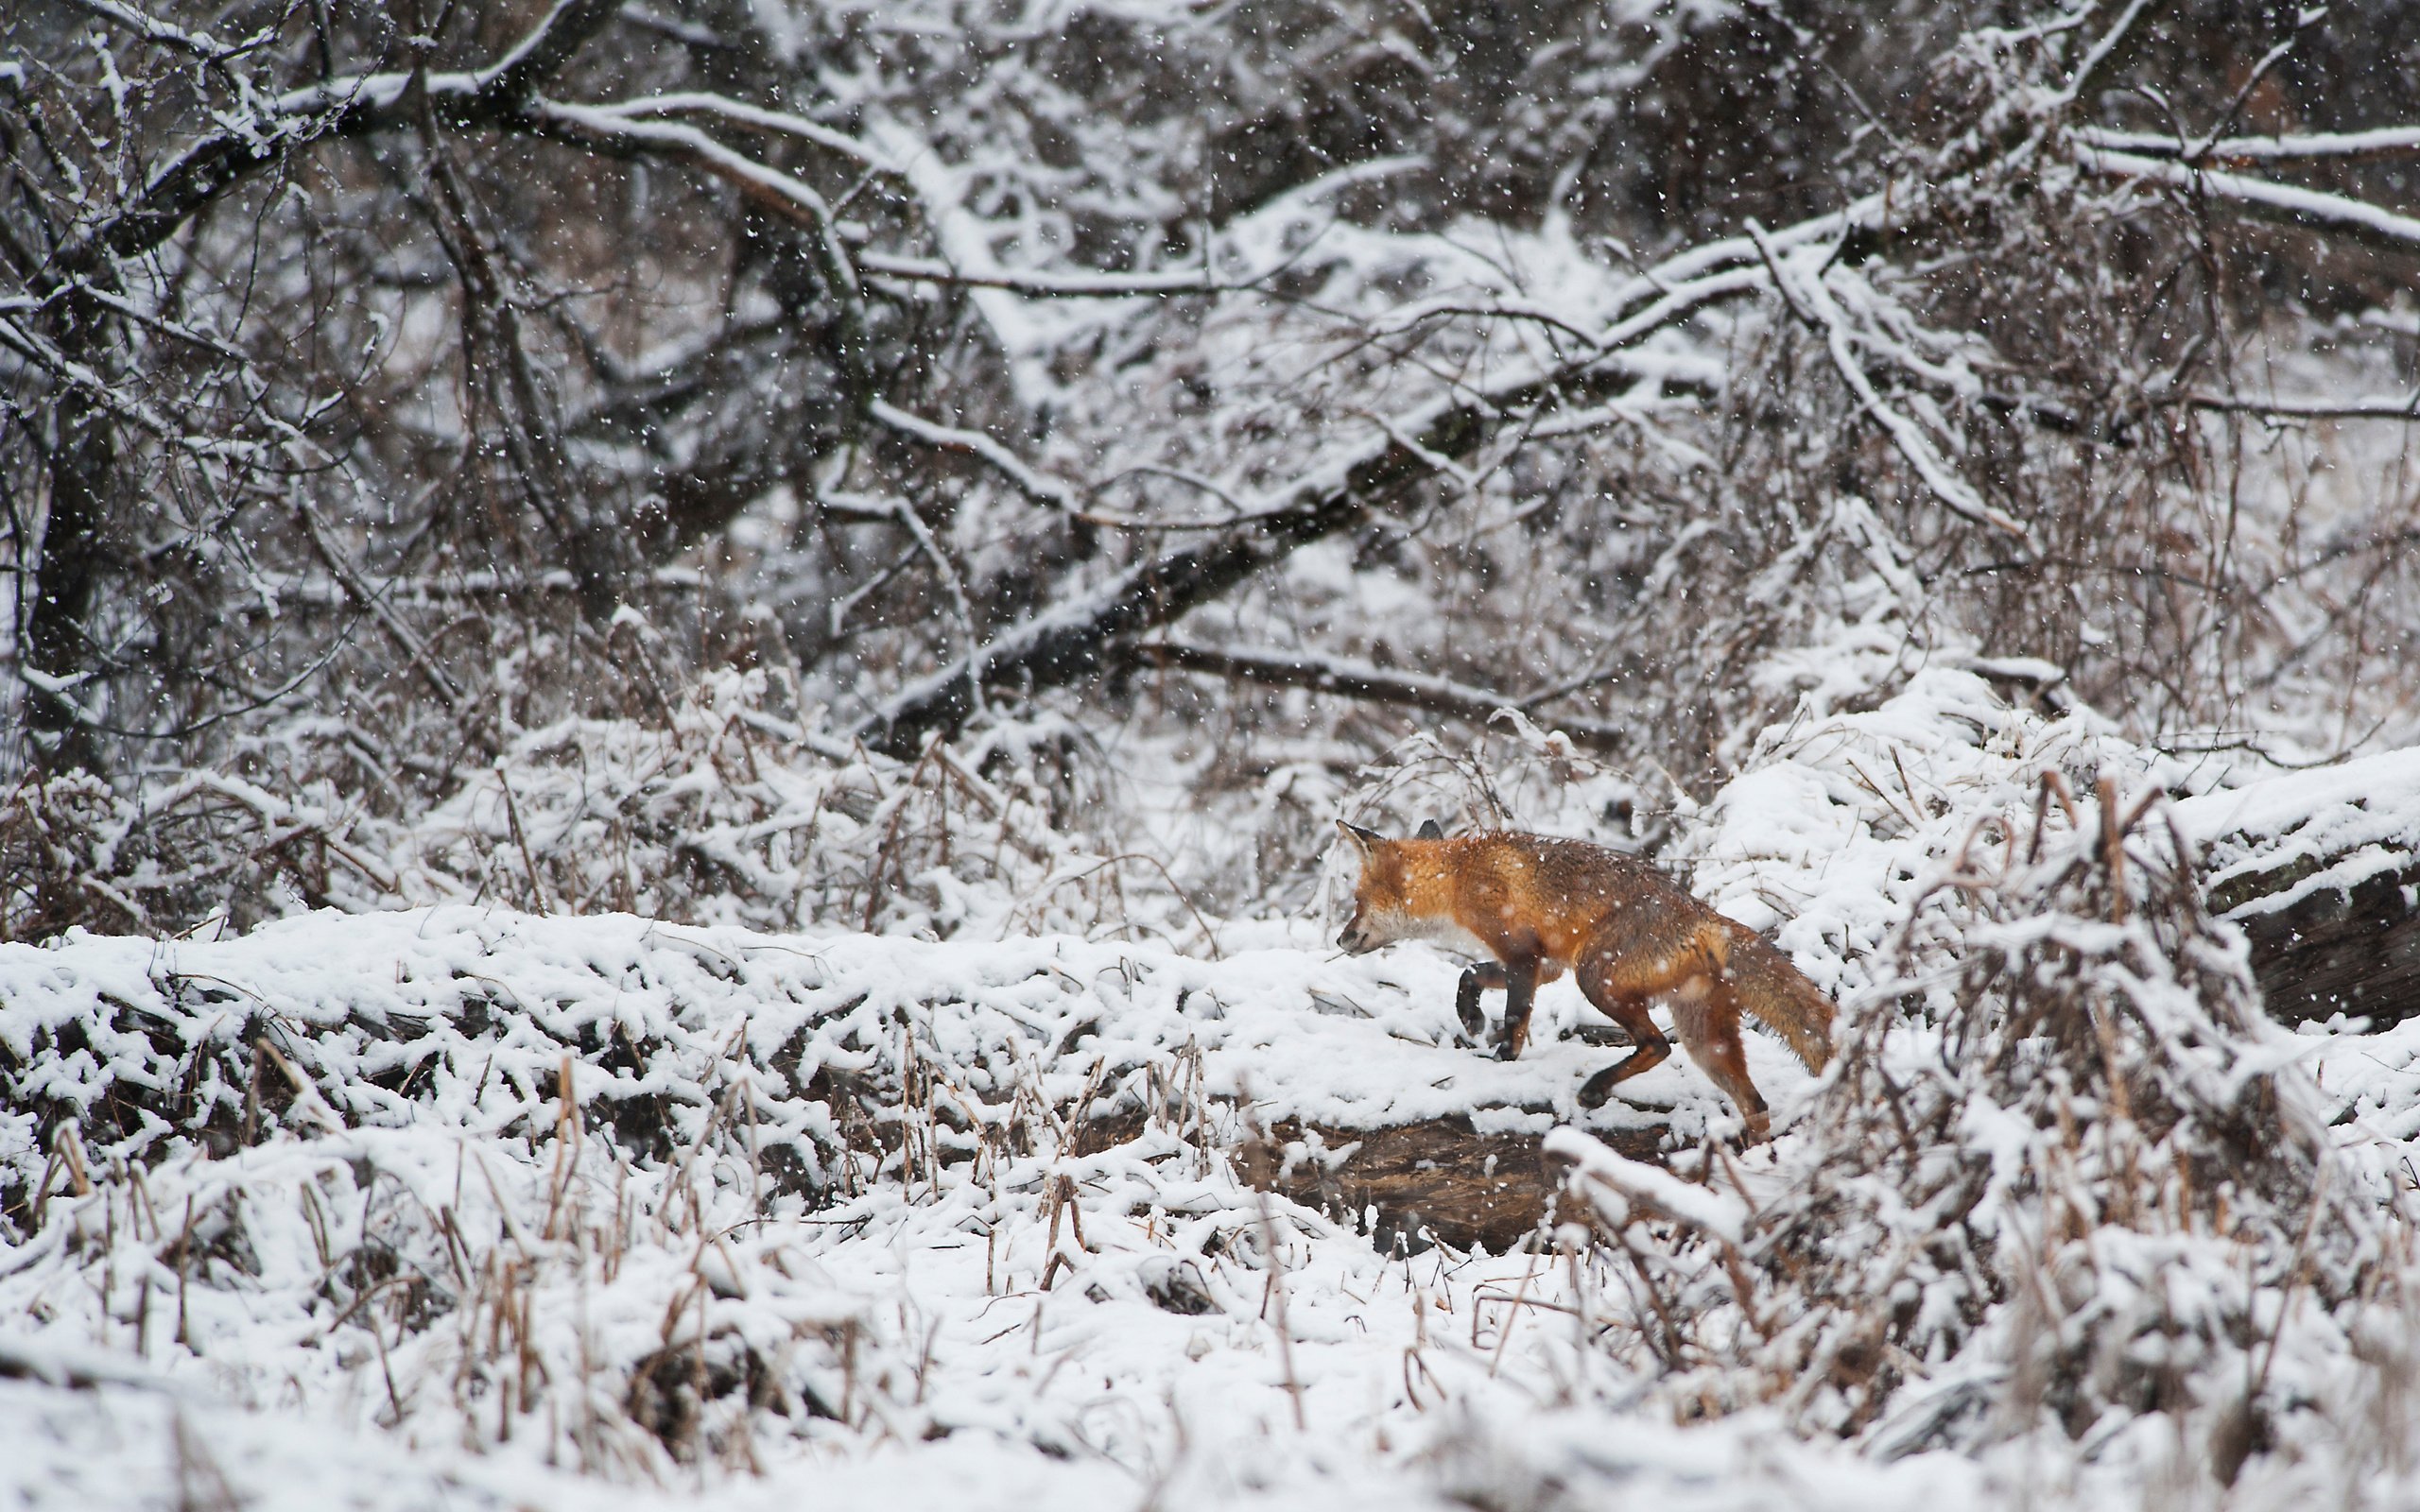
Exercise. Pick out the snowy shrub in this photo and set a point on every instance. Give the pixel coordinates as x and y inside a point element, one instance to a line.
<point>1514,776</point>
<point>720,808</point>
<point>2084,1188</point>
<point>723,810</point>
<point>515,1179</point>
<point>180,847</point>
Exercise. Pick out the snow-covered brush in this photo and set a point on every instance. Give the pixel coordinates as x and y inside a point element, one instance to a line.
<point>497,1179</point>
<point>75,852</point>
<point>721,806</point>
<point>1515,775</point>
<point>2093,1196</point>
<point>723,810</point>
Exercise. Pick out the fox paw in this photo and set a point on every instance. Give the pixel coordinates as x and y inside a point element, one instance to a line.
<point>1473,1021</point>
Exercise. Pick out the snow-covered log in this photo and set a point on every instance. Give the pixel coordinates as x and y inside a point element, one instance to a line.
<point>2320,868</point>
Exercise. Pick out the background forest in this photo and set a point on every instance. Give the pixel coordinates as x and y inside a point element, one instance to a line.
<point>1175,407</point>
<point>666,658</point>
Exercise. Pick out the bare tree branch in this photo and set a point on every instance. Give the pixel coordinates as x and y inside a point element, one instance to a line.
<point>350,106</point>
<point>2284,204</point>
<point>2382,144</point>
<point>1358,679</point>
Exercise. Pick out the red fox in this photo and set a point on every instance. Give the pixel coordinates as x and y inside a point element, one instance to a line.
<point>1541,905</point>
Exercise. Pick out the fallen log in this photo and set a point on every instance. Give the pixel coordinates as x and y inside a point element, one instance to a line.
<point>1421,1184</point>
<point>2353,950</point>
<point>2321,869</point>
<point>1408,1186</point>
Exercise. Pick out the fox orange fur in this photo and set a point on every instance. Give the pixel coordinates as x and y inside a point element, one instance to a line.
<point>1543,906</point>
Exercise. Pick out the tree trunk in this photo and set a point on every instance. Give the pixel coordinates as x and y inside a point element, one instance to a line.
<point>67,571</point>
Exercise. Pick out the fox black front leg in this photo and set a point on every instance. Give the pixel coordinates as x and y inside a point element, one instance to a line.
<point>1486,977</point>
<point>1520,990</point>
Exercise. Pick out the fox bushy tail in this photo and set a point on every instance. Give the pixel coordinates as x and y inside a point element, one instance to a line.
<point>1778,993</point>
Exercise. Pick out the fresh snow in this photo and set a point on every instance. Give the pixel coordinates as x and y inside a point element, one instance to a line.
<point>1020,1268</point>
<point>971,1381</point>
<point>1423,1379</point>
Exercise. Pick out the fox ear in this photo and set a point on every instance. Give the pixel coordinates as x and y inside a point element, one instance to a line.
<point>1362,839</point>
<point>1430,830</point>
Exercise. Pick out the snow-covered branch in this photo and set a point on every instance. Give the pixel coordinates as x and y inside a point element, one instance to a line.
<point>2404,409</point>
<point>2380,143</point>
<point>1346,678</point>
<point>2284,204</point>
<point>1055,284</point>
<point>1046,491</point>
<point>346,106</point>
<point>753,117</point>
<point>1810,295</point>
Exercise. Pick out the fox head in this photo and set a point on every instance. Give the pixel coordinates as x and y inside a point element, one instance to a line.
<point>1382,901</point>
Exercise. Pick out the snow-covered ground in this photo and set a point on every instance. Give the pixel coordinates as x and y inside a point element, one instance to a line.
<point>912,1355</point>
<point>1165,1355</point>
<point>463,1207</point>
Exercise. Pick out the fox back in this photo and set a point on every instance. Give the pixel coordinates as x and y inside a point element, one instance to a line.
<point>1507,894</point>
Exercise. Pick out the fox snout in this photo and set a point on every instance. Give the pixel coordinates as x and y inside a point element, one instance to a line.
<point>1355,939</point>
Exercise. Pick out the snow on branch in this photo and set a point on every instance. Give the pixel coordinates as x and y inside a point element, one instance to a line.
<point>349,105</point>
<point>2107,52</point>
<point>1620,1189</point>
<point>754,117</point>
<point>2406,408</point>
<point>614,128</point>
<point>96,388</point>
<point>2286,204</point>
<point>1050,285</point>
<point>1344,678</point>
<point>166,34</point>
<point>785,195</point>
<point>1815,302</point>
<point>2310,147</point>
<point>1043,490</point>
